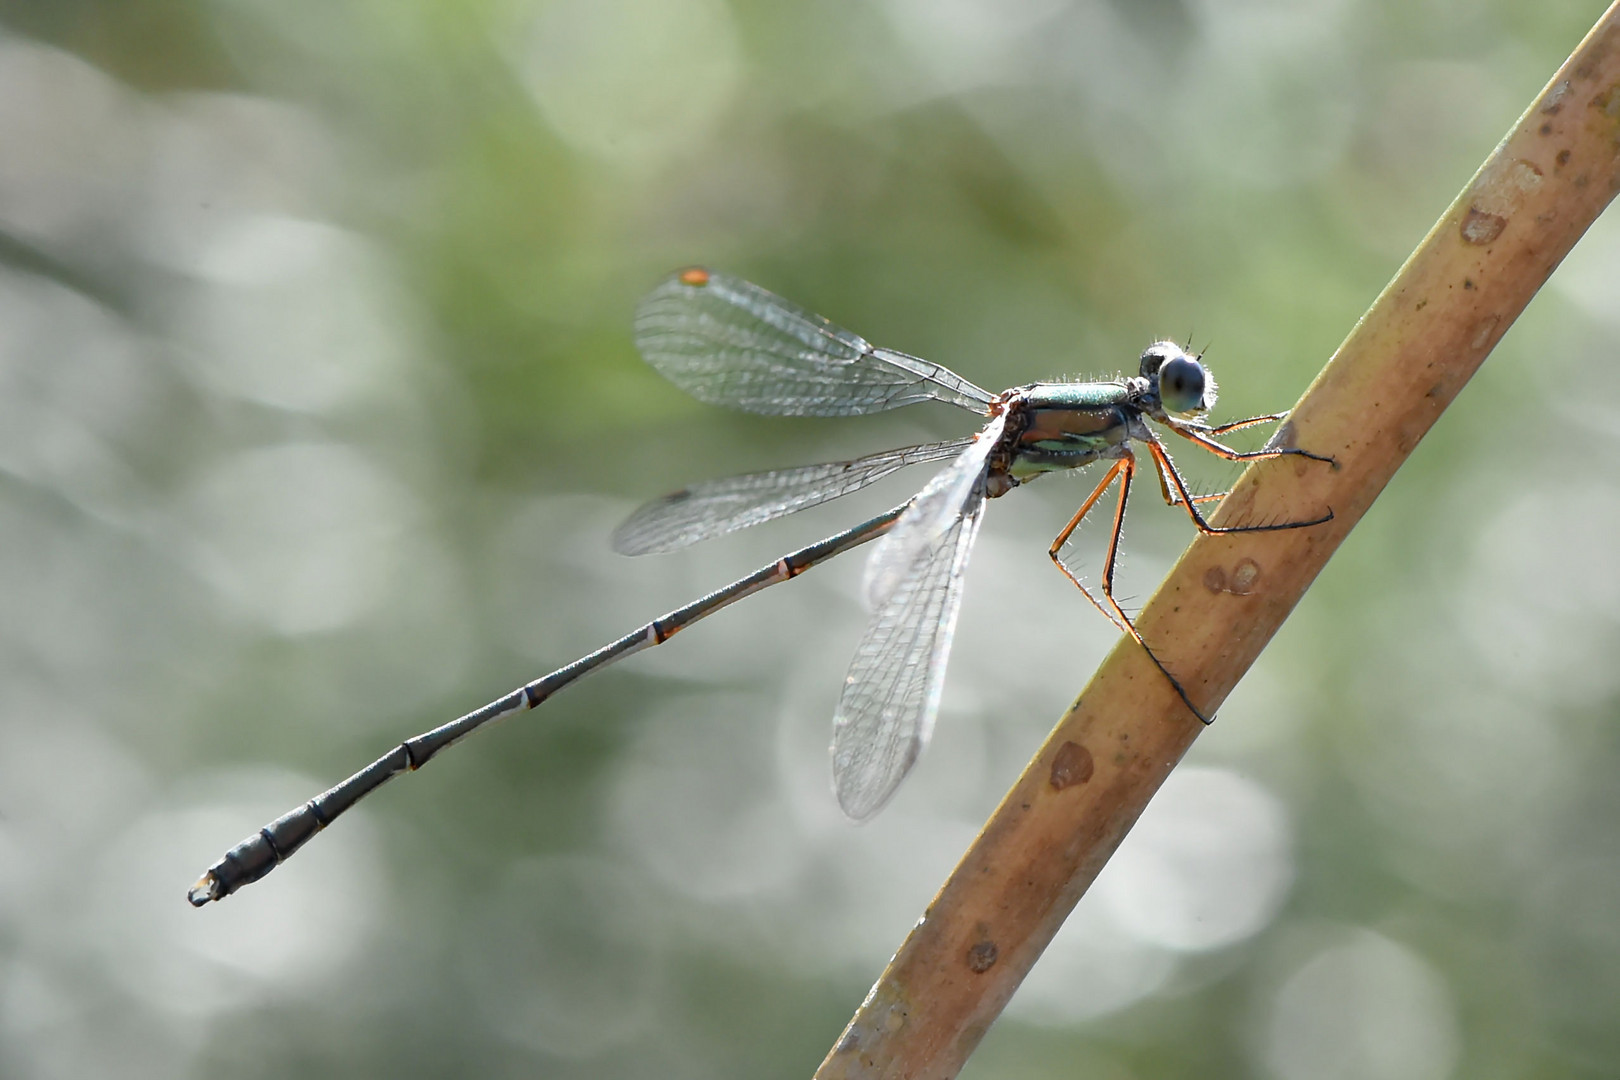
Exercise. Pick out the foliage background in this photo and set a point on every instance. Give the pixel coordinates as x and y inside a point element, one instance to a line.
<point>318,402</point>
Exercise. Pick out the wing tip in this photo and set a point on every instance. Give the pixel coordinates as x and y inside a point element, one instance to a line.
<point>859,797</point>
<point>859,813</point>
<point>634,545</point>
<point>631,539</point>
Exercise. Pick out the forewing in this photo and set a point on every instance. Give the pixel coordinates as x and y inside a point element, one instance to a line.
<point>717,507</point>
<point>932,512</point>
<point>728,342</point>
<point>891,695</point>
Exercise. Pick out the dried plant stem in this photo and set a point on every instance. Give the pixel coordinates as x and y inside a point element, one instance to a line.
<point>1401,365</point>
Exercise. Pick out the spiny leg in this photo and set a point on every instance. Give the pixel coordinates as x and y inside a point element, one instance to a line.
<point>1201,435</point>
<point>1173,499</point>
<point>1055,551</point>
<point>1124,468</point>
<point>1186,428</point>
<point>1168,472</point>
<point>1235,425</point>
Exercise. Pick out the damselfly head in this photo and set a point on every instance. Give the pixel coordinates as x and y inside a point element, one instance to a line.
<point>1185,387</point>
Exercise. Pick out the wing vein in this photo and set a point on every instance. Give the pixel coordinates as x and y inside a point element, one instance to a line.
<point>726,341</point>
<point>892,692</point>
<point>716,507</point>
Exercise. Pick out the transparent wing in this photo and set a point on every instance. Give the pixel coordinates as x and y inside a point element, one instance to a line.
<point>717,507</point>
<point>891,696</point>
<point>932,512</point>
<point>728,342</point>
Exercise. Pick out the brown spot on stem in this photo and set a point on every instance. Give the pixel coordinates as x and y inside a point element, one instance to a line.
<point>1071,765</point>
<point>1562,158</point>
<point>1607,102</point>
<point>1244,575</point>
<point>982,957</point>
<point>1215,579</point>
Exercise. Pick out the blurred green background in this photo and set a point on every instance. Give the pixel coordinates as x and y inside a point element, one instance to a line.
<point>318,403</point>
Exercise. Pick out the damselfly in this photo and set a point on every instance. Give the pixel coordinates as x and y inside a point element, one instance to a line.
<point>728,342</point>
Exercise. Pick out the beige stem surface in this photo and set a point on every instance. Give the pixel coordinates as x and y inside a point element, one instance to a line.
<point>1398,369</point>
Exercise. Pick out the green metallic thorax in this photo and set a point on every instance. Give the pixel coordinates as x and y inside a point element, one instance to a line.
<point>1076,395</point>
<point>1069,425</point>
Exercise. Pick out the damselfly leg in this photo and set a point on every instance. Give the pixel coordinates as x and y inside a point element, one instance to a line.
<point>1173,486</point>
<point>1168,473</point>
<point>1173,499</point>
<point>1122,470</point>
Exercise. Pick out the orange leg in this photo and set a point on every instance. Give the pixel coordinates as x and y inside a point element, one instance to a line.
<point>1236,425</point>
<point>1169,476</point>
<point>1123,469</point>
<point>1173,499</point>
<point>1201,435</point>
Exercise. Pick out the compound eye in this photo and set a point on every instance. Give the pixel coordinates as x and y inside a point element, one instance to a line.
<point>1181,385</point>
